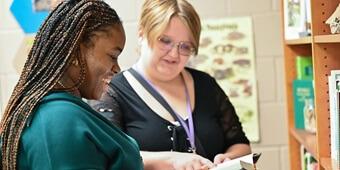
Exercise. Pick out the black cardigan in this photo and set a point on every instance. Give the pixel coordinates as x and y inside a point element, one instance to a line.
<point>217,126</point>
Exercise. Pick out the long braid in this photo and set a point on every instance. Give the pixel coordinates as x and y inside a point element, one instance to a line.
<point>71,23</point>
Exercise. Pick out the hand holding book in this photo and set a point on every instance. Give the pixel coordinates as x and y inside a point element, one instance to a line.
<point>247,162</point>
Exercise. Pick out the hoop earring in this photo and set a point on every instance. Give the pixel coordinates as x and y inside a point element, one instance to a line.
<point>82,74</point>
<point>81,77</point>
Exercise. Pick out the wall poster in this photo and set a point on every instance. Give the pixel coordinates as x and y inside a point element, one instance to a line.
<point>1,104</point>
<point>227,53</point>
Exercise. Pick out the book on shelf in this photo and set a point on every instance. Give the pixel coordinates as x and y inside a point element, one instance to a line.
<point>247,162</point>
<point>334,105</point>
<point>304,67</point>
<point>308,23</point>
<point>303,96</point>
<point>308,162</point>
<point>309,117</point>
<point>296,13</point>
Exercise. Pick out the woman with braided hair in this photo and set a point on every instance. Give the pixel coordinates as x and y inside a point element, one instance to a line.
<point>46,125</point>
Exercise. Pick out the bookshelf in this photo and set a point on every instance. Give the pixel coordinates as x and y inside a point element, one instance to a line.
<point>324,49</point>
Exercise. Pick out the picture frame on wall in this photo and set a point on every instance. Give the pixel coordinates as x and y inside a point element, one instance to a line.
<point>295,19</point>
<point>41,5</point>
<point>44,5</point>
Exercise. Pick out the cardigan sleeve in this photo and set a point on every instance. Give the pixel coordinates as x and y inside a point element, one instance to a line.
<point>108,106</point>
<point>229,120</point>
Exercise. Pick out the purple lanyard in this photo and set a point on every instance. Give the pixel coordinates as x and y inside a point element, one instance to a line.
<point>189,130</point>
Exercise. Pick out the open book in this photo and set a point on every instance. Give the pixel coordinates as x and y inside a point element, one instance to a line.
<point>242,163</point>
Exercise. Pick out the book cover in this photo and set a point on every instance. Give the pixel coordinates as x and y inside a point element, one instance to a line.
<point>294,18</point>
<point>308,24</point>
<point>308,162</point>
<point>334,105</point>
<point>247,162</point>
<point>309,116</point>
<point>336,134</point>
<point>303,91</point>
<point>304,68</point>
<point>332,112</point>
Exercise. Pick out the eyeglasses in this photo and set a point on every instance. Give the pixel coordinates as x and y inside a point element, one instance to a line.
<point>184,48</point>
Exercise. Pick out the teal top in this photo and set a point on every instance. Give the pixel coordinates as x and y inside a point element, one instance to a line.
<point>66,133</point>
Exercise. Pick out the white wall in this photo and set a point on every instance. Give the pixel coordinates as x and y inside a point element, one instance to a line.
<point>269,60</point>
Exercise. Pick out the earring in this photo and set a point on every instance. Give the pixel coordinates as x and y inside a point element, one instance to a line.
<point>75,62</point>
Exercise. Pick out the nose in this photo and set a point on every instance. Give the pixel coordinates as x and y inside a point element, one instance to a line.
<point>174,52</point>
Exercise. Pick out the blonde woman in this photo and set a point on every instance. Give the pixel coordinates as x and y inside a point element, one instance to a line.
<point>201,125</point>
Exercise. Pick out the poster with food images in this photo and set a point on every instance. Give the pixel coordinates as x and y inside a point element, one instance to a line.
<point>227,53</point>
<point>1,104</point>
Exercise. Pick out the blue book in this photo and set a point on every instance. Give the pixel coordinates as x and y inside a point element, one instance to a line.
<point>303,92</point>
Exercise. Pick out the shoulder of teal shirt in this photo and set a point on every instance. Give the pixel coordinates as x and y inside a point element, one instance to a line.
<point>67,133</point>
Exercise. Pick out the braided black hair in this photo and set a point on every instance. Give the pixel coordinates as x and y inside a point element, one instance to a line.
<point>72,22</point>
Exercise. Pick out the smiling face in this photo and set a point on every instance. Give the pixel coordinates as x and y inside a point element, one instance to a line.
<point>101,60</point>
<point>166,63</point>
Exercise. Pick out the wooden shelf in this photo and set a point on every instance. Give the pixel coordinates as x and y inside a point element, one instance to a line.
<point>324,49</point>
<point>326,163</point>
<point>299,41</point>
<point>307,139</point>
<point>333,38</point>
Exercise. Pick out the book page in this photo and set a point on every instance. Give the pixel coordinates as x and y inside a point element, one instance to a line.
<point>235,164</point>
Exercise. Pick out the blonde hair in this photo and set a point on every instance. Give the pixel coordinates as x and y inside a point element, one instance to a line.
<point>156,16</point>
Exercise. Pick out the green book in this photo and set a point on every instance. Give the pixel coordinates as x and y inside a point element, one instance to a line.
<point>304,68</point>
<point>303,92</point>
